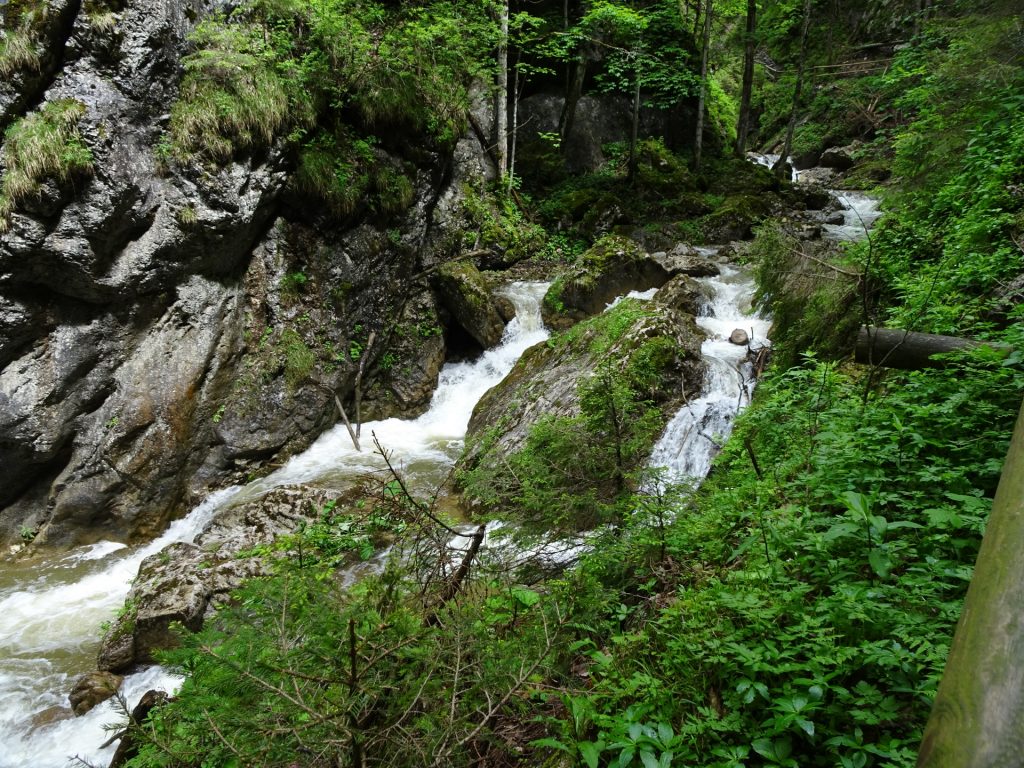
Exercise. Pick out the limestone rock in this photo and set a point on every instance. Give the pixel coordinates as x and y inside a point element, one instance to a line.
<point>685,294</point>
<point>612,267</point>
<point>465,294</point>
<point>839,158</point>
<point>183,582</point>
<point>739,337</point>
<point>546,378</point>
<point>685,259</point>
<point>407,373</point>
<point>164,330</point>
<point>822,177</point>
<point>92,689</point>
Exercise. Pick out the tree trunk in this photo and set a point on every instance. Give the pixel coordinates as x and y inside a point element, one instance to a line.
<point>896,348</point>
<point>572,98</point>
<point>635,129</point>
<point>787,146</point>
<point>698,143</point>
<point>515,127</point>
<point>749,45</point>
<point>978,716</point>
<point>696,20</point>
<point>501,112</point>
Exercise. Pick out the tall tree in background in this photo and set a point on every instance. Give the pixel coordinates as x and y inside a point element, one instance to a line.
<point>705,46</point>
<point>501,111</point>
<point>787,146</point>
<point>749,44</point>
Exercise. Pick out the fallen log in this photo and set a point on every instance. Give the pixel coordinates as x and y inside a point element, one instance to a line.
<point>909,350</point>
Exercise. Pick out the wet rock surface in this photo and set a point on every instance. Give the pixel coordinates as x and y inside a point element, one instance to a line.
<point>184,582</point>
<point>165,329</point>
<point>92,689</point>
<point>739,337</point>
<point>465,294</point>
<point>685,294</point>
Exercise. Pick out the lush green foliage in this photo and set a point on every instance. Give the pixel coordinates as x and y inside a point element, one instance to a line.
<point>44,145</point>
<point>797,608</point>
<point>279,67</point>
<point>302,666</point>
<point>814,306</point>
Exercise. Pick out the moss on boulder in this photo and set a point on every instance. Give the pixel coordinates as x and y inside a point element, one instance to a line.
<point>464,293</point>
<point>654,347</point>
<point>612,267</point>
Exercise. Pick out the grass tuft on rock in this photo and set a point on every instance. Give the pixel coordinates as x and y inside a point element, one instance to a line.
<point>231,98</point>
<point>18,51</point>
<point>43,145</point>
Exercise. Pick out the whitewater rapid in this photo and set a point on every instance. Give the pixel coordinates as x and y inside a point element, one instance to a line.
<point>693,437</point>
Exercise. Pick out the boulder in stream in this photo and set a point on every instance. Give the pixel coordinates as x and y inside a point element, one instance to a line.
<point>840,158</point>
<point>646,341</point>
<point>184,582</point>
<point>463,291</point>
<point>612,267</point>
<point>739,337</point>
<point>92,689</point>
<point>685,294</point>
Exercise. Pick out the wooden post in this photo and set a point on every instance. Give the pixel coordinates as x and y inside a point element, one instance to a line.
<point>978,717</point>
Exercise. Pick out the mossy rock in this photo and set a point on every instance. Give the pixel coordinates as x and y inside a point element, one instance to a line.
<point>654,347</point>
<point>735,176</point>
<point>464,293</point>
<point>612,267</point>
<point>736,218</point>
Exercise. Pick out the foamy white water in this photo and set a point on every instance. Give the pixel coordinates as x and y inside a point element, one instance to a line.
<point>50,618</point>
<point>860,212</point>
<point>693,437</point>
<point>768,161</point>
<point>426,446</point>
<point>51,612</point>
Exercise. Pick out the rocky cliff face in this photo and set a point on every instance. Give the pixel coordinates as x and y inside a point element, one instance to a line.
<point>165,329</point>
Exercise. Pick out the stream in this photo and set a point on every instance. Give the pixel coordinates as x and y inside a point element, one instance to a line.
<point>51,610</point>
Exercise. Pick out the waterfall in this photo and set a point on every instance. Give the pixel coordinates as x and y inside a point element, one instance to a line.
<point>859,211</point>
<point>50,618</point>
<point>51,612</point>
<point>692,438</point>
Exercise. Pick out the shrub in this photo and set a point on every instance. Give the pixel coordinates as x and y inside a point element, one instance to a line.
<point>43,145</point>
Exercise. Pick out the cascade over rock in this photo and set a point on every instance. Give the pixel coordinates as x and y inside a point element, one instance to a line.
<point>465,294</point>
<point>545,380</point>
